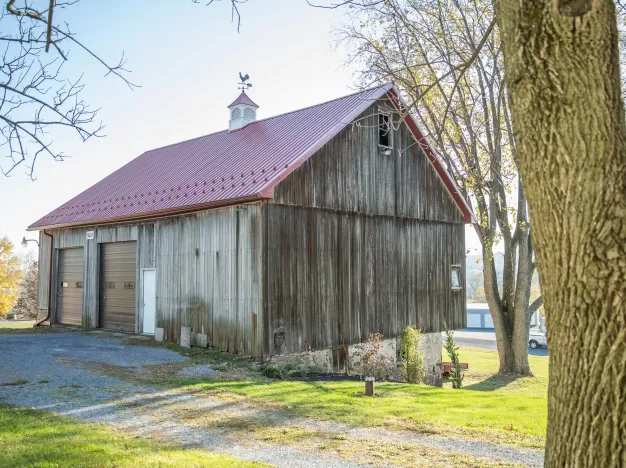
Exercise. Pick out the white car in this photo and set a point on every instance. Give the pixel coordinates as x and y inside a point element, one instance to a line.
<point>537,337</point>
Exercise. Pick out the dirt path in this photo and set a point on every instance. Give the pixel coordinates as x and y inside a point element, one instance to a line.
<point>56,374</point>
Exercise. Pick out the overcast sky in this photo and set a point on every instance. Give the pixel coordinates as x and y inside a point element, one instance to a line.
<point>186,57</point>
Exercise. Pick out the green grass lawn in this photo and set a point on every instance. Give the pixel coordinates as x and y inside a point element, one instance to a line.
<point>12,324</point>
<point>494,408</point>
<point>41,439</point>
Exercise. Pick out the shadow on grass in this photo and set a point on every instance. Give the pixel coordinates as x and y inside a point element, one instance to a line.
<point>492,383</point>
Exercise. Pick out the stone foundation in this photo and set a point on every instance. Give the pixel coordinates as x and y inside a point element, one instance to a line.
<point>431,347</point>
<point>348,359</point>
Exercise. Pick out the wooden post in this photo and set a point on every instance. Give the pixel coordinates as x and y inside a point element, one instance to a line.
<point>369,386</point>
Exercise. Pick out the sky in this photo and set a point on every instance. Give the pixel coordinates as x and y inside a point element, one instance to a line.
<point>186,57</point>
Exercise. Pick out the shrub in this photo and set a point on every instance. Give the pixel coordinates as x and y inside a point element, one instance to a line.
<point>412,355</point>
<point>279,372</point>
<point>374,363</point>
<point>272,372</point>
<point>453,351</point>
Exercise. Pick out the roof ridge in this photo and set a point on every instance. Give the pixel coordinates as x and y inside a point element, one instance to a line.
<point>316,105</point>
<point>272,117</point>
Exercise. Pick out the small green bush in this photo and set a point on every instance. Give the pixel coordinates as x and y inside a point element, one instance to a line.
<point>280,372</point>
<point>456,376</point>
<point>272,372</point>
<point>412,355</point>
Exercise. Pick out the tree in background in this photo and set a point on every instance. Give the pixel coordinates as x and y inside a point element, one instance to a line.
<point>445,57</point>
<point>10,276</point>
<point>473,283</point>
<point>26,305</point>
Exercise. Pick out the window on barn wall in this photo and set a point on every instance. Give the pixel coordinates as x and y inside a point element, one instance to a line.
<point>384,130</point>
<point>456,277</point>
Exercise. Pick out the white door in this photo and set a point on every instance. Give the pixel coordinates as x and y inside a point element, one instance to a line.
<point>149,301</point>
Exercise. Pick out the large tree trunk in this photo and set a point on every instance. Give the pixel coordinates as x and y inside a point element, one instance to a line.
<point>562,71</point>
<point>511,325</point>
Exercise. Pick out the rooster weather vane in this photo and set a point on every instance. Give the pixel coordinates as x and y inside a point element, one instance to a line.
<point>244,84</point>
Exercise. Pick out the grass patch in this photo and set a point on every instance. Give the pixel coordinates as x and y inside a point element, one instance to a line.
<point>38,438</point>
<point>15,324</point>
<point>16,382</point>
<point>273,428</point>
<point>494,408</point>
<point>371,452</point>
<point>7,328</point>
<point>195,354</point>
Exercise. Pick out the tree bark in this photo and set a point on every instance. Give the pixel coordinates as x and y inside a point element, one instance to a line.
<point>511,325</point>
<point>562,72</point>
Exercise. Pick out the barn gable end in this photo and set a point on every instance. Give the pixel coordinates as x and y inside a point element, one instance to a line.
<point>359,242</point>
<point>351,173</point>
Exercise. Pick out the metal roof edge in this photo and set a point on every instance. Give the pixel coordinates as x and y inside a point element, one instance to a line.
<point>155,214</point>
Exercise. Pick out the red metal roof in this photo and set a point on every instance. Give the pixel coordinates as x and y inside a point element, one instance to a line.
<point>243,99</point>
<point>219,169</point>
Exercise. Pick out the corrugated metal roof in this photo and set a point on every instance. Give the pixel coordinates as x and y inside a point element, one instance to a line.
<point>213,170</point>
<point>243,99</point>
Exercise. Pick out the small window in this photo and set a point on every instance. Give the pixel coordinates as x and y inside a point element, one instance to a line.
<point>456,277</point>
<point>384,130</point>
<point>236,114</point>
<point>248,114</point>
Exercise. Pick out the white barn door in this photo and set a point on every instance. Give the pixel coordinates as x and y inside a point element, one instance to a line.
<point>149,301</point>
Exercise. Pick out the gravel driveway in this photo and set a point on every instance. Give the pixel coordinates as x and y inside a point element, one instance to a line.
<point>57,380</point>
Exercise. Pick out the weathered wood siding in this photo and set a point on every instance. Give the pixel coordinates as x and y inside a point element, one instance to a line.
<point>208,273</point>
<point>351,173</point>
<point>208,276</point>
<point>359,242</point>
<point>44,267</point>
<point>334,278</point>
<point>77,237</point>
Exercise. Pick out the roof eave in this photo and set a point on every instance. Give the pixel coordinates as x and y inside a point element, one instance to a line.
<point>156,214</point>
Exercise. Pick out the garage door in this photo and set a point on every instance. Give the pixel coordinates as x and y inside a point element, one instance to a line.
<point>70,286</point>
<point>117,286</point>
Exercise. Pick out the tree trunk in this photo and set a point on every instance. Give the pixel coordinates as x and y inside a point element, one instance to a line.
<point>511,325</point>
<point>562,71</point>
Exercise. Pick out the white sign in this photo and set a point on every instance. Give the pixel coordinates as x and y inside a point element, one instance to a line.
<point>90,235</point>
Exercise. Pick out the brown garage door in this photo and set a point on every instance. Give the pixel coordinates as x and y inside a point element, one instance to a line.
<point>117,286</point>
<point>70,286</point>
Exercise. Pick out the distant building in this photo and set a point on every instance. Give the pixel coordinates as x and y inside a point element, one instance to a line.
<point>478,316</point>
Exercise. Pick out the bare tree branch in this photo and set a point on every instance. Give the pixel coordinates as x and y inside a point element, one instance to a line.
<point>38,102</point>
<point>534,307</point>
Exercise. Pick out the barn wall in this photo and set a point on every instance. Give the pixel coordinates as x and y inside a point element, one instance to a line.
<point>334,278</point>
<point>359,242</point>
<point>208,277</point>
<point>77,237</point>
<point>351,173</point>
<point>44,266</point>
<point>208,273</point>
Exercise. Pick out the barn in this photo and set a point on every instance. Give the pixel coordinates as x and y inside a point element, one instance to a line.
<point>303,232</point>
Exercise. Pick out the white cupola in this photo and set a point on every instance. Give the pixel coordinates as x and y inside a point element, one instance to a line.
<point>242,112</point>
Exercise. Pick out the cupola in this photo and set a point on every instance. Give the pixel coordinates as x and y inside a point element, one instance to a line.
<point>243,109</point>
